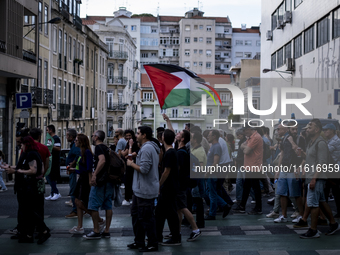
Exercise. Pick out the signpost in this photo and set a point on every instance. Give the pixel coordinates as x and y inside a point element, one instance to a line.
<point>23,100</point>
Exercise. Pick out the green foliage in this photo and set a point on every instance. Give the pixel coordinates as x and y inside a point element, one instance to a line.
<point>143,15</point>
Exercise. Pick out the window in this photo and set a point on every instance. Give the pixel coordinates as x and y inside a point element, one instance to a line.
<point>209,111</point>
<point>87,57</point>
<point>195,51</point>
<point>65,48</point>
<point>225,42</point>
<point>87,97</point>
<point>187,64</point>
<point>273,62</point>
<point>82,54</point>
<point>69,93</point>
<point>147,96</point>
<point>64,92</point>
<point>322,31</point>
<point>60,46</point>
<point>200,63</point>
<point>145,55</point>
<point>255,104</point>
<point>298,46</point>
<point>145,29</point>
<point>258,43</point>
<point>208,52</point>
<point>70,48</point>
<point>74,49</point>
<point>45,74</point>
<point>195,63</point>
<point>175,52</point>
<point>248,42</point>
<point>209,28</point>
<point>187,52</point>
<point>40,16</point>
<point>59,92</point>
<point>288,5</point>
<point>195,39</point>
<point>201,39</point>
<point>309,39</point>
<point>195,27</point>
<point>239,54</point>
<point>288,51</point>
<point>133,28</point>
<point>274,20</point>
<point>247,54</point>
<point>200,52</point>
<point>297,3</point>
<point>46,19</point>
<point>153,30</point>
<point>239,42</point>
<point>280,57</point>
<point>187,27</point>
<point>55,39</point>
<point>336,23</point>
<point>201,27</point>
<point>209,40</point>
<point>153,54</point>
<point>187,40</point>
<point>54,90</point>
<point>39,72</point>
<point>208,65</point>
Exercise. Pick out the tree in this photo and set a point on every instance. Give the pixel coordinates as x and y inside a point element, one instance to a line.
<point>142,15</point>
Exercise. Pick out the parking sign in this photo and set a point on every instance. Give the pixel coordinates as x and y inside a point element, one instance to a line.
<point>23,100</point>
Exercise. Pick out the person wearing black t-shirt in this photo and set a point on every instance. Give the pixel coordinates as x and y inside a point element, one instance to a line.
<point>166,207</point>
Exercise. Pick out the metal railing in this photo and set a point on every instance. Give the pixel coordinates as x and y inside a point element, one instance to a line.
<point>118,54</point>
<point>24,88</point>
<point>48,96</point>
<point>2,46</point>
<point>77,111</point>
<point>117,80</point>
<point>37,96</point>
<point>117,107</point>
<point>29,56</point>
<point>78,22</point>
<point>63,111</point>
<point>64,10</point>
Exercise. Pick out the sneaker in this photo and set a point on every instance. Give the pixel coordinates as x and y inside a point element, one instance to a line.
<point>330,198</point>
<point>92,236</point>
<point>194,236</point>
<point>301,224</point>
<point>239,209</point>
<point>106,235</point>
<point>270,200</point>
<point>76,230</point>
<point>295,214</point>
<point>333,228</point>
<point>102,226</point>
<point>297,219</point>
<point>55,197</point>
<point>272,215</point>
<point>234,201</point>
<point>208,217</point>
<point>13,231</point>
<point>3,190</point>
<point>72,215</point>
<point>125,202</point>
<point>122,186</point>
<point>167,236</point>
<point>44,238</point>
<point>226,211</point>
<point>87,215</point>
<point>255,212</point>
<point>281,219</point>
<point>134,246</point>
<point>310,234</point>
<point>69,203</point>
<point>253,202</point>
<point>322,222</point>
<point>149,249</point>
<point>171,242</point>
<point>49,197</point>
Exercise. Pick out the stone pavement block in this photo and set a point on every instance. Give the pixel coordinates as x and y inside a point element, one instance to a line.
<point>251,227</point>
<point>328,252</point>
<point>99,253</point>
<point>215,233</point>
<point>42,254</point>
<point>209,228</point>
<point>273,253</point>
<point>47,216</point>
<point>264,232</point>
<point>62,235</point>
<point>214,253</point>
<point>305,252</point>
<point>159,253</point>
<point>244,253</point>
<point>291,227</point>
<point>5,236</point>
<point>300,231</point>
<point>4,216</point>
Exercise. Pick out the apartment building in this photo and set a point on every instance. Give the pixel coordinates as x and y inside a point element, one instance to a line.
<point>300,41</point>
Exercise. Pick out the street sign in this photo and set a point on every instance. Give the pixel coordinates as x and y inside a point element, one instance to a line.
<point>23,100</point>
<point>337,97</point>
<point>24,114</point>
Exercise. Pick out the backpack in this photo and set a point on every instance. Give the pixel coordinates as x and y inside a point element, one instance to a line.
<point>117,168</point>
<point>266,152</point>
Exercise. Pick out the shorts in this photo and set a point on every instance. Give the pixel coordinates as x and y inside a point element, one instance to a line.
<point>101,197</point>
<point>288,186</point>
<point>317,194</point>
<point>181,200</point>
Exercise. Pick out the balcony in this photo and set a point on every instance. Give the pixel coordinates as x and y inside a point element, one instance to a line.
<point>48,96</point>
<point>27,55</point>
<point>117,80</point>
<point>39,95</point>
<point>218,35</point>
<point>184,116</point>
<point>64,10</point>
<point>118,55</point>
<point>117,107</point>
<point>2,46</point>
<point>78,22</point>
<point>222,47</point>
<point>24,88</point>
<point>63,111</point>
<point>77,112</point>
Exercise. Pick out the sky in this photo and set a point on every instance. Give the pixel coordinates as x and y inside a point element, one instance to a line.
<point>239,11</point>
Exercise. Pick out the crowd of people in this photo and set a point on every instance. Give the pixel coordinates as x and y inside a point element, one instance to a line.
<point>157,179</point>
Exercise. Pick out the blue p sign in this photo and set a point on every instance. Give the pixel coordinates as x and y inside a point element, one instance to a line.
<point>23,100</point>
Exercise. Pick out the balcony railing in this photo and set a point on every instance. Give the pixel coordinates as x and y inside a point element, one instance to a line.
<point>39,95</point>
<point>64,10</point>
<point>29,56</point>
<point>77,111</point>
<point>117,80</point>
<point>117,107</point>
<point>2,46</point>
<point>64,111</point>
<point>24,88</point>
<point>118,54</point>
<point>78,22</point>
<point>48,96</point>
<point>217,35</point>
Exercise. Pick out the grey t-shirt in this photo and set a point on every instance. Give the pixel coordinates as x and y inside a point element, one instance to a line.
<point>316,156</point>
<point>121,144</point>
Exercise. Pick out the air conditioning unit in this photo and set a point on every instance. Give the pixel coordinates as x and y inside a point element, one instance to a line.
<point>269,35</point>
<point>287,17</point>
<point>280,24</point>
<point>290,64</point>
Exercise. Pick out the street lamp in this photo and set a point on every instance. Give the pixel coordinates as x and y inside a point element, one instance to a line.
<point>52,21</point>
<point>267,70</point>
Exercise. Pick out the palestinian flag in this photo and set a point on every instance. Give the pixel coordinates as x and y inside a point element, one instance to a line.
<point>175,85</point>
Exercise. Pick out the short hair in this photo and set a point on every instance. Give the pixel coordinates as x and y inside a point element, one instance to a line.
<point>146,130</point>
<point>197,136</point>
<point>72,132</point>
<point>186,136</point>
<point>240,132</point>
<point>35,133</point>
<point>215,133</point>
<point>22,133</point>
<point>160,134</point>
<point>169,136</point>
<point>206,133</point>
<point>318,124</point>
<point>51,127</point>
<point>292,124</point>
<point>101,135</point>
<point>259,130</point>
<point>190,125</point>
<point>266,130</point>
<point>160,129</point>
<point>120,131</point>
<point>196,128</point>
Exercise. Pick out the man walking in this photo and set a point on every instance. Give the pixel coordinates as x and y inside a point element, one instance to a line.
<point>101,189</point>
<point>145,188</point>
<point>54,175</point>
<point>73,154</point>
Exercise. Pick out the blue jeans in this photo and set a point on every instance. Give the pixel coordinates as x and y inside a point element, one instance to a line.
<point>239,185</point>
<point>215,199</point>
<point>53,184</point>
<point>2,183</point>
<point>73,184</point>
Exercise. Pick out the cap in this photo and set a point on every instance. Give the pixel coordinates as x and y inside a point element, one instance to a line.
<point>329,126</point>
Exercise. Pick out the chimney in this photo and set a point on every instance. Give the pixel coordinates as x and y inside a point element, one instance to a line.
<point>243,27</point>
